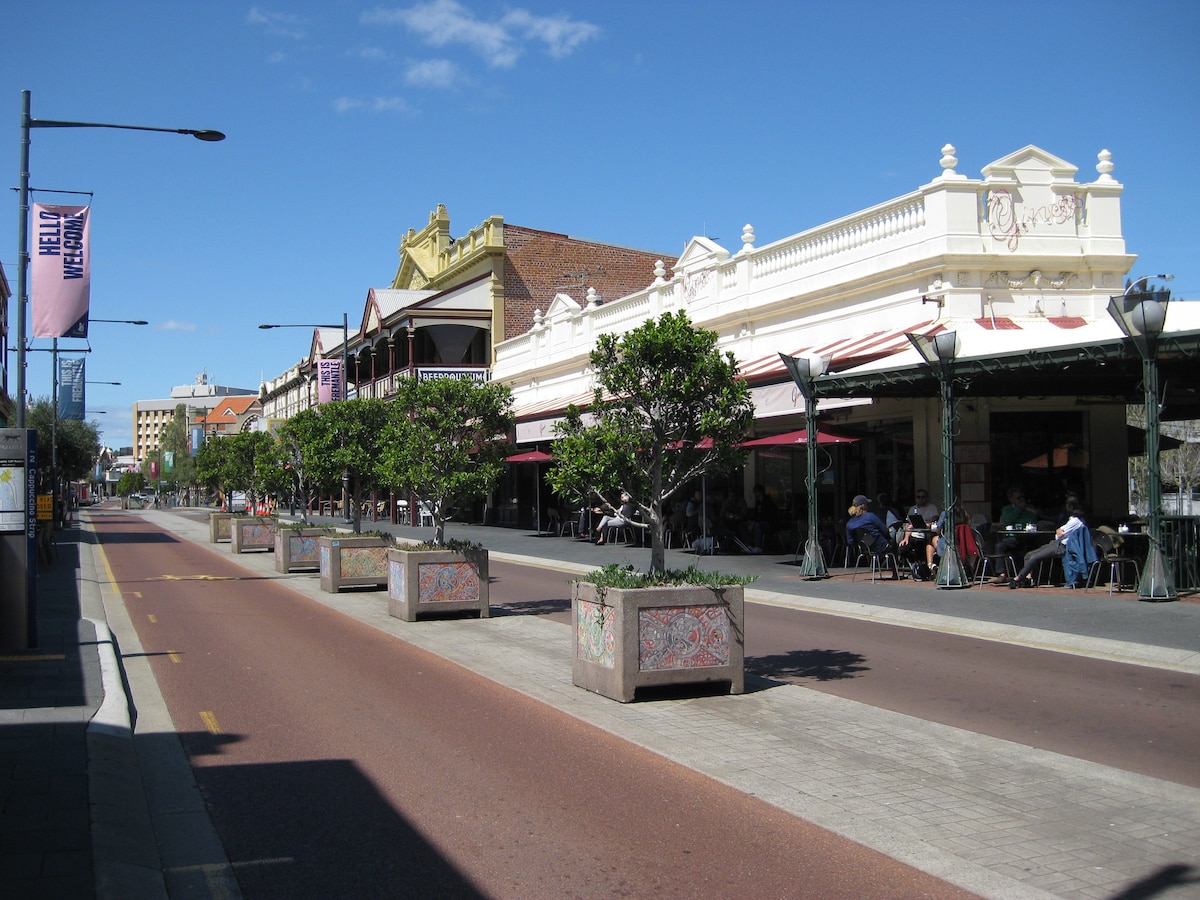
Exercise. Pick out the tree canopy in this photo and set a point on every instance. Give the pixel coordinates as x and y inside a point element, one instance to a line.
<point>78,442</point>
<point>445,442</point>
<point>667,409</point>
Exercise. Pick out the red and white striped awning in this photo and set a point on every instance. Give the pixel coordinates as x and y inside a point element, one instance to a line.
<point>846,352</point>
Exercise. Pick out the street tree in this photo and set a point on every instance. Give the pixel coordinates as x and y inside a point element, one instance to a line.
<point>344,438</point>
<point>445,443</point>
<point>78,443</point>
<point>294,435</point>
<point>668,408</point>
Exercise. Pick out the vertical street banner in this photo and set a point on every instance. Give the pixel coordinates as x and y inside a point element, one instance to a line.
<point>168,462</point>
<point>197,439</point>
<point>71,388</point>
<point>60,270</point>
<point>329,380</point>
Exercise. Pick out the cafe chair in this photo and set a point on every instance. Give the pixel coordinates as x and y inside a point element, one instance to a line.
<point>878,561</point>
<point>990,558</point>
<point>568,524</point>
<point>1110,554</point>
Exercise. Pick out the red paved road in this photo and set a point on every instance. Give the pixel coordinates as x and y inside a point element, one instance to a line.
<point>1135,718</point>
<point>338,761</point>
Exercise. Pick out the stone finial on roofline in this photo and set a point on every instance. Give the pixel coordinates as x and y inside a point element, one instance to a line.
<point>1105,166</point>
<point>948,162</point>
<point>747,238</point>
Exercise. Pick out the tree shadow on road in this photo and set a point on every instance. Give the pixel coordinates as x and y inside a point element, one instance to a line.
<point>800,665</point>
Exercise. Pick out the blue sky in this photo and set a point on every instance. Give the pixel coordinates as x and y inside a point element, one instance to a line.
<point>636,123</point>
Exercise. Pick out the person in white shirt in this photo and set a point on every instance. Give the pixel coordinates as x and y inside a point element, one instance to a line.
<point>1056,548</point>
<point>925,507</point>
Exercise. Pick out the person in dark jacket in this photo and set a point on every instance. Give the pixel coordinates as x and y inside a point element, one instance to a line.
<point>875,532</point>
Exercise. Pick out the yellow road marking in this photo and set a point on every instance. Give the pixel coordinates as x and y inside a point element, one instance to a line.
<point>173,656</point>
<point>197,577</point>
<point>210,722</point>
<point>35,657</point>
<point>112,579</point>
<point>152,617</point>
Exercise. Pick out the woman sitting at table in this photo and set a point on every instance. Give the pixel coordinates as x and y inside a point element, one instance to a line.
<point>1055,549</point>
<point>623,517</point>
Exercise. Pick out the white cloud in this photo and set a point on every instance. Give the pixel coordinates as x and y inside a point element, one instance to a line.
<point>432,73</point>
<point>279,24</point>
<point>372,54</point>
<point>377,104</point>
<point>173,325</point>
<point>443,22</point>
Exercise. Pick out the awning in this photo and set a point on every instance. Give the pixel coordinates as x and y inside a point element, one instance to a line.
<point>846,352</point>
<point>798,439</point>
<point>1041,358</point>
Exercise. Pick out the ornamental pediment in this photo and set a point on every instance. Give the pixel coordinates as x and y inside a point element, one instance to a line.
<point>562,306</point>
<point>700,253</point>
<point>1031,165</point>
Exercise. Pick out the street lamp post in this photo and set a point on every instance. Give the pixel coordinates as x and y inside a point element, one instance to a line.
<point>345,392</point>
<point>804,372</point>
<point>1141,316</point>
<point>939,352</point>
<point>28,123</point>
<point>345,326</point>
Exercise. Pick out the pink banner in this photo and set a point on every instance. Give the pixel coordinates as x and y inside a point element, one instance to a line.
<point>60,270</point>
<point>329,380</point>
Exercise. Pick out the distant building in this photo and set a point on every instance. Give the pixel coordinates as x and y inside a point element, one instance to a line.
<point>453,299</point>
<point>200,399</point>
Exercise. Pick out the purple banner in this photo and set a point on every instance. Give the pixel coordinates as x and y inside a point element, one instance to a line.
<point>329,380</point>
<point>60,270</point>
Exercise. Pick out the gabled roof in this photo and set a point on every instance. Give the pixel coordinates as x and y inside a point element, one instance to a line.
<point>384,303</point>
<point>229,410</point>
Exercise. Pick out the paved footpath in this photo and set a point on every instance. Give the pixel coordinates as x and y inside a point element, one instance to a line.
<point>992,816</point>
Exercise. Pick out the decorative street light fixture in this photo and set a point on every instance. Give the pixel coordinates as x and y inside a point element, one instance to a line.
<point>27,123</point>
<point>804,371</point>
<point>1141,316</point>
<point>345,326</point>
<point>939,352</point>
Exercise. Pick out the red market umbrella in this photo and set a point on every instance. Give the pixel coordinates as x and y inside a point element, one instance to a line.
<point>1065,456</point>
<point>533,456</point>
<point>798,438</point>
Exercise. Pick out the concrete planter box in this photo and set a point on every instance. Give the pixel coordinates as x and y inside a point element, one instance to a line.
<point>219,526</point>
<point>253,533</point>
<point>427,581</point>
<point>350,561</point>
<point>657,636</point>
<point>298,548</point>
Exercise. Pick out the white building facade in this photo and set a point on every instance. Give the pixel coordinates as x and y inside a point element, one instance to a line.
<point>1025,257</point>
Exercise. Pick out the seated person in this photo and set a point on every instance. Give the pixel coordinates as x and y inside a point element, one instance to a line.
<point>620,518</point>
<point>866,526</point>
<point>891,516</point>
<point>915,542</point>
<point>924,507</point>
<point>1017,514</point>
<point>696,512</point>
<point>762,517</point>
<point>1056,548</point>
